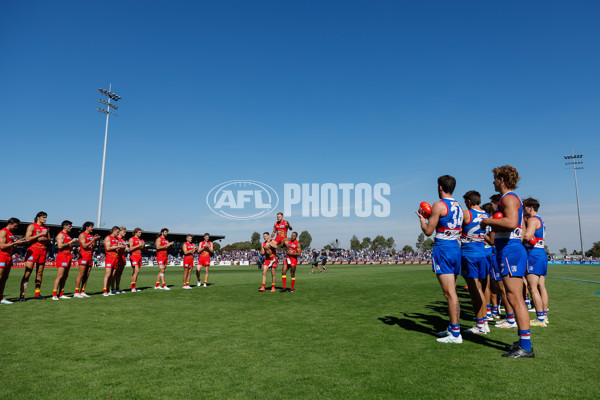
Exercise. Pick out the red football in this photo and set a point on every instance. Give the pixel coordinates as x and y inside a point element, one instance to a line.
<point>498,215</point>
<point>425,208</point>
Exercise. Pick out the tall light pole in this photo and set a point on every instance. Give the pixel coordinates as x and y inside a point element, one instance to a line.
<point>110,96</point>
<point>575,165</point>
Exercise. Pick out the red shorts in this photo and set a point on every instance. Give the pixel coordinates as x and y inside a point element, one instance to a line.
<point>279,239</point>
<point>188,262</point>
<point>86,259</point>
<point>36,255</point>
<point>292,261</point>
<point>111,262</point>
<point>136,260</point>
<point>271,263</point>
<point>204,261</point>
<point>5,261</point>
<point>162,260</point>
<point>63,260</point>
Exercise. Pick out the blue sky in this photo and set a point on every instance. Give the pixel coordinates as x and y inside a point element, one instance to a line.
<point>295,92</point>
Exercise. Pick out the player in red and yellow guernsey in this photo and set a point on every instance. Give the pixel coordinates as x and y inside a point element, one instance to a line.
<point>111,262</point>
<point>7,245</point>
<point>189,249</point>
<point>280,230</point>
<point>39,236</point>
<point>63,260</point>
<point>136,244</point>
<point>87,244</point>
<point>269,250</point>
<point>162,258</point>
<point>121,261</point>
<point>205,249</point>
<point>291,261</point>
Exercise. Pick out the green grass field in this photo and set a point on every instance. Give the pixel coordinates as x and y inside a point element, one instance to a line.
<point>355,332</point>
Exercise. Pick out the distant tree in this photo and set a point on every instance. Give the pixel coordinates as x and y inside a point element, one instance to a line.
<point>238,246</point>
<point>547,250</point>
<point>594,251</point>
<point>563,251</point>
<point>420,241</point>
<point>379,243</point>
<point>576,253</point>
<point>390,243</point>
<point>366,243</point>
<point>255,241</point>
<point>327,247</point>
<point>407,249</point>
<point>428,244</point>
<point>216,246</point>
<point>305,239</point>
<point>354,243</point>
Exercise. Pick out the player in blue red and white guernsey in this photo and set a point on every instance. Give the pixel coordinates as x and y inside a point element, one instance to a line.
<point>269,251</point>
<point>87,244</point>
<point>38,235</point>
<point>189,249</point>
<point>64,243</point>
<point>280,229</point>
<point>162,258</point>
<point>136,244</point>
<point>291,261</point>
<point>474,264</point>
<point>446,221</point>
<point>205,250</point>
<point>495,279</point>
<point>111,261</point>
<point>512,256</point>
<point>7,245</point>
<point>537,260</point>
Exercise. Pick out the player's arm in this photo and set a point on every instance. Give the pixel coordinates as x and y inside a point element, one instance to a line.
<point>187,252</point>
<point>274,232</point>
<point>466,217</point>
<point>489,238</point>
<point>510,220</point>
<point>157,244</point>
<point>4,245</point>
<point>531,225</point>
<point>262,250</point>
<point>210,248</point>
<point>29,236</point>
<point>428,227</point>
<point>288,225</point>
<point>299,251</point>
<point>107,246</point>
<point>60,241</point>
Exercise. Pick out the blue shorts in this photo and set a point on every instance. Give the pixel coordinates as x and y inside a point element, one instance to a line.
<point>512,260</point>
<point>494,270</point>
<point>446,259</point>
<point>474,267</point>
<point>537,262</point>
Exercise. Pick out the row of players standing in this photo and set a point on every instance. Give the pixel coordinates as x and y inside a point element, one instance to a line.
<point>115,246</point>
<point>510,264</point>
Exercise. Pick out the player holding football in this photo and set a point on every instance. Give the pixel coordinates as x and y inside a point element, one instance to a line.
<point>63,260</point>
<point>291,261</point>
<point>111,262</point>
<point>205,250</point>
<point>162,258</point>
<point>87,244</point>
<point>537,260</point>
<point>512,256</point>
<point>121,261</point>
<point>189,249</point>
<point>446,221</point>
<point>269,250</point>
<point>280,229</point>
<point>474,263</point>
<point>136,244</point>
<point>39,236</point>
<point>7,245</point>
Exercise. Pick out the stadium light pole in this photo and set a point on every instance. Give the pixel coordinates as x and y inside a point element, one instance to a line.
<point>110,96</point>
<point>575,165</point>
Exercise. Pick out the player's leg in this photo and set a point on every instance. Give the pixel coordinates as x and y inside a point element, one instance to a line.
<point>514,291</point>
<point>108,272</point>
<point>118,275</point>
<point>39,274</point>
<point>266,267</point>
<point>199,273</point>
<point>4,273</point>
<point>544,296</point>
<point>80,273</point>
<point>533,281</point>
<point>284,271</point>
<point>63,282</point>
<point>273,278</point>
<point>134,276</point>
<point>59,274</point>
<point>448,285</point>
<point>293,275</point>
<point>206,267</point>
<point>84,281</point>
<point>161,274</point>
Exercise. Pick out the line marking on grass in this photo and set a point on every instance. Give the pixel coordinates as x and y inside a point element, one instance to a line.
<point>576,280</point>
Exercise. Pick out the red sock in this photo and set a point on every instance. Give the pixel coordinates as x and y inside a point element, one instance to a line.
<point>263,285</point>
<point>283,279</point>
<point>132,286</point>
<point>37,293</point>
<point>164,284</point>
<point>76,290</point>
<point>104,290</point>
<point>157,284</point>
<point>53,293</point>
<point>293,282</point>
<point>62,292</point>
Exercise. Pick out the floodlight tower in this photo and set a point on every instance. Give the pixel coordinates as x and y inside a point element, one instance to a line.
<point>575,165</point>
<point>110,96</point>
